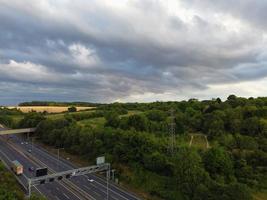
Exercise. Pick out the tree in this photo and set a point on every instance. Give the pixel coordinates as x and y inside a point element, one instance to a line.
<point>156,115</point>
<point>246,142</point>
<point>31,119</point>
<point>112,119</point>
<point>36,197</point>
<point>188,171</point>
<point>231,97</point>
<point>213,124</point>
<point>72,109</point>
<point>236,101</point>
<point>218,163</point>
<point>249,111</point>
<point>193,118</point>
<point>7,195</point>
<point>179,123</point>
<point>6,120</point>
<point>263,128</point>
<point>236,191</point>
<point>233,118</point>
<point>138,122</point>
<point>251,126</point>
<point>157,162</point>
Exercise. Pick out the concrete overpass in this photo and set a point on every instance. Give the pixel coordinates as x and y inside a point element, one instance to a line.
<point>4,131</point>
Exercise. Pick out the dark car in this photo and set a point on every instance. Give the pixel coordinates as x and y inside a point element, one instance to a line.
<point>31,169</point>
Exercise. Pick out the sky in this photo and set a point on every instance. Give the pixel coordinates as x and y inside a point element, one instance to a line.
<point>132,50</point>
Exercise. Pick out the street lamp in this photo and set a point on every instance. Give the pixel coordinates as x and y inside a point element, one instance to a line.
<point>108,177</point>
<point>113,174</point>
<point>32,142</point>
<point>58,156</point>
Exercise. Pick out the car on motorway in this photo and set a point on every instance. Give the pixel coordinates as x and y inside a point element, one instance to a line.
<point>31,169</point>
<point>29,150</point>
<point>90,180</point>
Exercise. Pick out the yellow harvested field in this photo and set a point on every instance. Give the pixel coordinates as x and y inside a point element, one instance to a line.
<point>49,109</point>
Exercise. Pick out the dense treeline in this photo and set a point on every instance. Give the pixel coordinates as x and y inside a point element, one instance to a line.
<point>6,111</point>
<point>6,116</point>
<point>214,120</point>
<point>53,103</point>
<point>137,146</point>
<point>86,115</point>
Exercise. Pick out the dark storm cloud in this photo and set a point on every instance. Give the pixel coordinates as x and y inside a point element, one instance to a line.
<point>109,50</point>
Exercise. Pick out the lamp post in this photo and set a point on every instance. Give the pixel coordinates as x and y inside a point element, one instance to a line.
<point>32,143</point>
<point>113,174</point>
<point>58,149</point>
<point>108,177</point>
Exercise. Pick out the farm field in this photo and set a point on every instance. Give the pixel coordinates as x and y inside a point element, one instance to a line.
<point>61,115</point>
<point>94,122</point>
<point>49,109</point>
<point>100,121</point>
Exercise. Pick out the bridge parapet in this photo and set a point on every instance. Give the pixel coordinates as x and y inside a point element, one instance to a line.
<point>15,131</point>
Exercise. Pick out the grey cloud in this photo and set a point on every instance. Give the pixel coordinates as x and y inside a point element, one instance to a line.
<point>251,11</point>
<point>99,51</point>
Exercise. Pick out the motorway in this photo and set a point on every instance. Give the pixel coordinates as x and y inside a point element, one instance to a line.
<point>15,148</point>
<point>51,190</point>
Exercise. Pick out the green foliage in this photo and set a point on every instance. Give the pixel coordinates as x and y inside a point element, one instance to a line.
<point>9,188</point>
<point>213,124</point>
<point>250,126</point>
<point>72,109</point>
<point>138,122</point>
<point>157,162</point>
<point>7,195</point>
<point>7,111</point>
<point>112,119</point>
<point>79,116</point>
<point>6,120</point>
<point>236,128</point>
<point>37,197</point>
<point>218,163</point>
<point>189,171</point>
<point>31,119</point>
<point>156,115</point>
<point>236,191</point>
<point>246,142</point>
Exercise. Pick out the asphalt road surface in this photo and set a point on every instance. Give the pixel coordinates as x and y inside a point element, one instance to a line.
<point>82,187</point>
<point>51,190</point>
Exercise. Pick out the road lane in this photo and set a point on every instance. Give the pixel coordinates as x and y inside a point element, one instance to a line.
<point>48,190</point>
<point>97,189</point>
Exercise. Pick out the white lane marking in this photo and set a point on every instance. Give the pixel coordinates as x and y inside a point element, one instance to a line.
<point>8,168</point>
<point>103,185</point>
<point>44,165</point>
<point>94,191</point>
<point>38,190</point>
<point>65,195</point>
